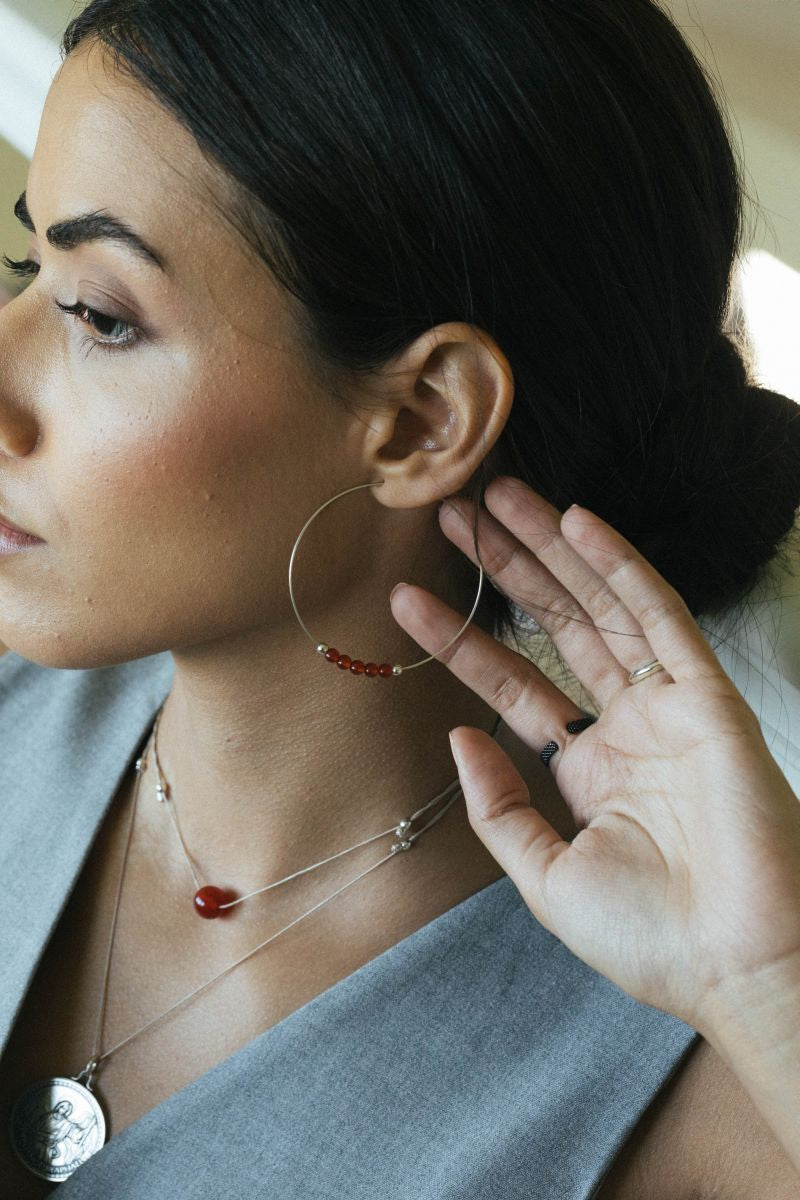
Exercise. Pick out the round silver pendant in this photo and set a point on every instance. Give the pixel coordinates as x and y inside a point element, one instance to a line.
<point>56,1124</point>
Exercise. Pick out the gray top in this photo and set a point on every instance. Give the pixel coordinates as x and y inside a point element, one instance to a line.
<point>533,1072</point>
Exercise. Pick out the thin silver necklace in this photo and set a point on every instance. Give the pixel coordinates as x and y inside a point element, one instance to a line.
<point>58,1123</point>
<point>211,901</point>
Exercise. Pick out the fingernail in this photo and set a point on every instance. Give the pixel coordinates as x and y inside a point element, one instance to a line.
<point>396,588</point>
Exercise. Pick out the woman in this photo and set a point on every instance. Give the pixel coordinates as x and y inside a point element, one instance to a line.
<point>397,254</point>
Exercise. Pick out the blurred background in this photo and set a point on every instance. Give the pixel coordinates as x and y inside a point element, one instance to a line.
<point>752,48</point>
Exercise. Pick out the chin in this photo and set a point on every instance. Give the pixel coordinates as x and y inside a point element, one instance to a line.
<point>71,652</point>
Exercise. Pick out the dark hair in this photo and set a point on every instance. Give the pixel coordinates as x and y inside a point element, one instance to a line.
<point>558,173</point>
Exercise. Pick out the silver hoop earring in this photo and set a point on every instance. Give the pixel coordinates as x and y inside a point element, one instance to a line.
<point>354,665</point>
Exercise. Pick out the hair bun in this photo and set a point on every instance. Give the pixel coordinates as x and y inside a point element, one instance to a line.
<point>737,504</point>
<point>725,371</point>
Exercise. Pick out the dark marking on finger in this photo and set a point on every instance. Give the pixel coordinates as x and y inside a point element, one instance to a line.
<point>581,724</point>
<point>548,752</point>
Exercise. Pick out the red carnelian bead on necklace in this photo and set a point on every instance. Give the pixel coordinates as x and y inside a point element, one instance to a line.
<point>208,901</point>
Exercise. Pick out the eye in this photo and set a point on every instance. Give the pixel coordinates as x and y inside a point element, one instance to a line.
<point>94,319</point>
<point>86,315</point>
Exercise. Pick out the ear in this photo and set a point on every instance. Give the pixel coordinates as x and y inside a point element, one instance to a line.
<point>443,403</point>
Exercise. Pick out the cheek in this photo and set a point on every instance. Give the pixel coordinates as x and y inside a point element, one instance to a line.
<point>172,534</point>
<point>162,501</point>
<point>156,464</point>
<point>172,517</point>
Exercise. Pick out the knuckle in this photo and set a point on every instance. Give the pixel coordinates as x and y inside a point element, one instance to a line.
<point>656,612</point>
<point>507,693</point>
<point>547,540</point>
<point>559,619</point>
<point>498,557</point>
<point>459,649</point>
<point>602,602</point>
<point>559,612</point>
<point>609,680</point>
<point>506,801</point>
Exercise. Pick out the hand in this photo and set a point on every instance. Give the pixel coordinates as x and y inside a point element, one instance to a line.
<point>685,873</point>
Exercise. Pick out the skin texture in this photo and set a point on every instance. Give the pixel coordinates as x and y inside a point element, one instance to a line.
<point>170,481</point>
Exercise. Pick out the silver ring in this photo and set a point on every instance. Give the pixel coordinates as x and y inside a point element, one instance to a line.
<point>648,669</point>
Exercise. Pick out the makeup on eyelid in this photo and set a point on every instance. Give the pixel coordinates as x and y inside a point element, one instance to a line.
<point>27,267</point>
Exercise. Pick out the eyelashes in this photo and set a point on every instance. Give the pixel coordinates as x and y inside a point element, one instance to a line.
<point>25,267</point>
<point>93,319</point>
<point>84,314</point>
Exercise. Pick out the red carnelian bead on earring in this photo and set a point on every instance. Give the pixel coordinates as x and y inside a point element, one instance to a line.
<point>356,666</point>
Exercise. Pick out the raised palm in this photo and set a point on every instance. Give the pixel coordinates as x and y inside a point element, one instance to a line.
<point>685,872</point>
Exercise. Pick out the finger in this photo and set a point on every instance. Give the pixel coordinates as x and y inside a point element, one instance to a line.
<point>670,629</point>
<point>538,525</point>
<point>520,576</point>
<point>527,700</point>
<point>500,812</point>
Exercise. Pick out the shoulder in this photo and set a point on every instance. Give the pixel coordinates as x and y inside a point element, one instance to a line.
<point>50,715</point>
<point>20,677</point>
<point>758,645</point>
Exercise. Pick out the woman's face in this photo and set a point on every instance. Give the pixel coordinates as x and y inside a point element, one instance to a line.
<point>169,477</point>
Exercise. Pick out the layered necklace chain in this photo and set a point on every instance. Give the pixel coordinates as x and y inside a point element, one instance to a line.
<point>58,1123</point>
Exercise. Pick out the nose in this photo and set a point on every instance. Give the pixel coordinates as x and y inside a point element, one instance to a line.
<point>19,429</point>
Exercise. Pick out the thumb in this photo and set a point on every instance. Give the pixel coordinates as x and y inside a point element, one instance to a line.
<point>500,812</point>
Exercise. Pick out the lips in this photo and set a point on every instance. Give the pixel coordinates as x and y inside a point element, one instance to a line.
<point>4,521</point>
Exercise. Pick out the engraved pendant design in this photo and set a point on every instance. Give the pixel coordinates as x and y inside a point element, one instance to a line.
<point>56,1124</point>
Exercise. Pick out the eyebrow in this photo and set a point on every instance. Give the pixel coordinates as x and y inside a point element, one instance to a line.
<point>90,227</point>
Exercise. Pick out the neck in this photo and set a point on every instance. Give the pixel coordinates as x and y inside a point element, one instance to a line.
<point>272,769</point>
